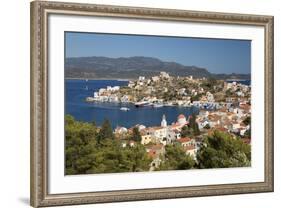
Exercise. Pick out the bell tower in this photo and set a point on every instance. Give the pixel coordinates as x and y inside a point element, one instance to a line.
<point>164,122</point>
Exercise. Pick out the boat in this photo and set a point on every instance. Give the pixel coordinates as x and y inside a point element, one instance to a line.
<point>124,109</point>
<point>157,105</point>
<point>143,104</point>
<point>90,99</point>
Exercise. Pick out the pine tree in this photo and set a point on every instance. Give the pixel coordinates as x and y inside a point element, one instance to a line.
<point>136,136</point>
<point>105,131</point>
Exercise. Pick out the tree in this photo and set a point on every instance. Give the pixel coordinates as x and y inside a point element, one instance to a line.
<point>136,136</point>
<point>84,155</point>
<point>105,131</point>
<point>175,158</point>
<point>186,131</point>
<point>222,150</point>
<point>194,125</point>
<point>80,142</point>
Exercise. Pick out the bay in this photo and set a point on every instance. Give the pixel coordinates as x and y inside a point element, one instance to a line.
<point>76,92</point>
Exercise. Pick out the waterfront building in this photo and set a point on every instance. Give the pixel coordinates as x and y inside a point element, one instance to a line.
<point>182,119</point>
<point>120,130</point>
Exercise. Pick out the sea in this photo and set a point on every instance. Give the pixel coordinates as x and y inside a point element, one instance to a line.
<point>76,92</point>
<point>244,82</point>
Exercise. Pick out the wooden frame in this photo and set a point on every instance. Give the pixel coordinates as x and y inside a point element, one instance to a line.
<point>39,103</point>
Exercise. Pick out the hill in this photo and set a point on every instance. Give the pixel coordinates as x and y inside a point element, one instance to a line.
<point>130,68</point>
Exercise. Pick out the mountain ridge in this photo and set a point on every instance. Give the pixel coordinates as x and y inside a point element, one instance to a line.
<point>132,67</point>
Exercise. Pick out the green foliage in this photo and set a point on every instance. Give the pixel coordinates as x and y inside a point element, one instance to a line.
<point>186,131</point>
<point>229,93</point>
<point>176,159</point>
<point>85,155</point>
<point>136,136</point>
<point>194,125</point>
<point>221,150</point>
<point>79,143</point>
<point>112,158</point>
<point>248,133</point>
<point>195,98</point>
<point>209,84</point>
<point>105,131</point>
<point>192,129</point>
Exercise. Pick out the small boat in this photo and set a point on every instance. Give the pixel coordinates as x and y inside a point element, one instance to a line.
<point>90,99</point>
<point>142,104</point>
<point>124,109</point>
<point>157,105</point>
<point>86,88</point>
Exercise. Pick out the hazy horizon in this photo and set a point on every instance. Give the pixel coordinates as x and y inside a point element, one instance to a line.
<point>218,56</point>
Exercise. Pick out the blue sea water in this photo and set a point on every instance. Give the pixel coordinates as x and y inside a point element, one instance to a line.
<point>77,90</point>
<point>245,82</point>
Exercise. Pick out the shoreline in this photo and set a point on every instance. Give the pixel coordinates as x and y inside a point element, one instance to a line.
<point>102,79</point>
<point>127,80</point>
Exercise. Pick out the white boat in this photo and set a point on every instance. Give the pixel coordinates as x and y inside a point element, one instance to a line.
<point>124,109</point>
<point>90,99</point>
<point>142,104</point>
<point>157,105</point>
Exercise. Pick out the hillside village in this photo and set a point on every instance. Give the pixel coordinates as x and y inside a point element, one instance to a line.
<point>223,106</point>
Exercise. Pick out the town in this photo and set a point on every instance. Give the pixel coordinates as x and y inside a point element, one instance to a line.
<point>166,90</point>
<point>224,106</point>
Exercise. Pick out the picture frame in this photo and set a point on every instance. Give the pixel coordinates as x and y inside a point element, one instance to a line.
<point>40,94</point>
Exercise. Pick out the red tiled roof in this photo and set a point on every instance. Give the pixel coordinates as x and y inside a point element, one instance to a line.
<point>152,154</point>
<point>185,139</point>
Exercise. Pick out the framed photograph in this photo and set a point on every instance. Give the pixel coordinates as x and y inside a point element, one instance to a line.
<point>142,103</point>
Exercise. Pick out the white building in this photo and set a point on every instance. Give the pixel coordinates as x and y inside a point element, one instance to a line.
<point>172,135</point>
<point>164,75</point>
<point>141,78</point>
<point>155,79</point>
<point>164,122</point>
<point>210,97</point>
<point>182,119</point>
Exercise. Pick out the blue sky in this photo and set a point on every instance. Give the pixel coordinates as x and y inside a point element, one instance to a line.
<point>216,55</point>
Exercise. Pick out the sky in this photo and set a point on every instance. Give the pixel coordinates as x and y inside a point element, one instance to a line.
<point>216,55</point>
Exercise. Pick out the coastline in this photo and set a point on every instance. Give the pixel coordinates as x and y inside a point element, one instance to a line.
<point>122,79</point>
<point>111,79</point>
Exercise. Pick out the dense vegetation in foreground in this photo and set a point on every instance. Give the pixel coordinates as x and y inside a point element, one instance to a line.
<point>90,149</point>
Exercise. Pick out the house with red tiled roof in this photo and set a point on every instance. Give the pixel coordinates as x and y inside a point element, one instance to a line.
<point>155,152</point>
<point>186,141</point>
